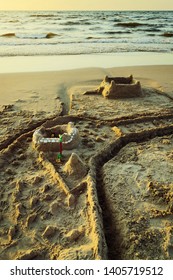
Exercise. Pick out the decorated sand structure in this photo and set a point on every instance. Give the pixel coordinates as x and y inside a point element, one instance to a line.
<point>119,87</point>
<point>105,198</point>
<point>50,139</point>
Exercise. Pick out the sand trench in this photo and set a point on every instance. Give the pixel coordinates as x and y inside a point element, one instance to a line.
<point>47,214</point>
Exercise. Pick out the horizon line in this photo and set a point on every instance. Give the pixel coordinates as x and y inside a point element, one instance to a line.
<point>73,10</point>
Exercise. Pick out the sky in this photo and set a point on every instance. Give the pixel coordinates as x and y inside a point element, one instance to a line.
<point>86,5</point>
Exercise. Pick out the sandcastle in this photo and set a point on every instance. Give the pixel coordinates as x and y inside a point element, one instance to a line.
<point>119,87</point>
<point>47,139</point>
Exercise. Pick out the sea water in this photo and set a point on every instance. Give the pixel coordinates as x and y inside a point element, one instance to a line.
<point>28,33</point>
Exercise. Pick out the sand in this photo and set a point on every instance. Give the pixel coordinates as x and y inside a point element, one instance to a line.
<point>120,207</point>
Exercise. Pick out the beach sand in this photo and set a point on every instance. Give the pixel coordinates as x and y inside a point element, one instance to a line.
<point>120,207</point>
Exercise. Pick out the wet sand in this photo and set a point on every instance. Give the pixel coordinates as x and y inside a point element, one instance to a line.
<point>121,206</point>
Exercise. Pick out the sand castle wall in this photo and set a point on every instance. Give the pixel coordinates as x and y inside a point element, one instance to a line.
<point>43,142</point>
<point>119,80</point>
<point>118,87</point>
<point>114,90</point>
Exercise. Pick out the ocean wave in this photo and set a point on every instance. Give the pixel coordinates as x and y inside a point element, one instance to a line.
<point>76,49</point>
<point>95,28</point>
<point>73,16</point>
<point>9,35</point>
<point>79,22</point>
<point>116,20</point>
<point>30,36</point>
<point>70,28</point>
<point>151,30</point>
<point>94,38</point>
<point>70,23</point>
<point>50,35</point>
<point>117,32</point>
<point>103,18</point>
<point>84,22</point>
<point>130,24</point>
<point>91,38</point>
<point>43,16</point>
<point>167,34</point>
<point>13,21</point>
<point>151,34</point>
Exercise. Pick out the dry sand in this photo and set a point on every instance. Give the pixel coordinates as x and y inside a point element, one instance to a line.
<point>120,207</point>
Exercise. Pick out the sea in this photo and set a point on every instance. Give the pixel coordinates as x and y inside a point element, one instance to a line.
<point>35,33</point>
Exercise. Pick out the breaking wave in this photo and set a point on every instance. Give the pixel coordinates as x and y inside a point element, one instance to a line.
<point>130,24</point>
<point>79,22</point>
<point>43,15</point>
<point>9,35</point>
<point>53,32</point>
<point>167,34</point>
<point>117,32</point>
<point>30,36</point>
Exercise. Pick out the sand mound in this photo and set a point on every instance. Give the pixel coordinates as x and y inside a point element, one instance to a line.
<point>75,167</point>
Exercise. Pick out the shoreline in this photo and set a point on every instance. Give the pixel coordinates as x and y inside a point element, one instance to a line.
<point>21,64</point>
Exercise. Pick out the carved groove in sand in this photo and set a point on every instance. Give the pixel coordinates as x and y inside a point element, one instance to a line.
<point>120,245</point>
